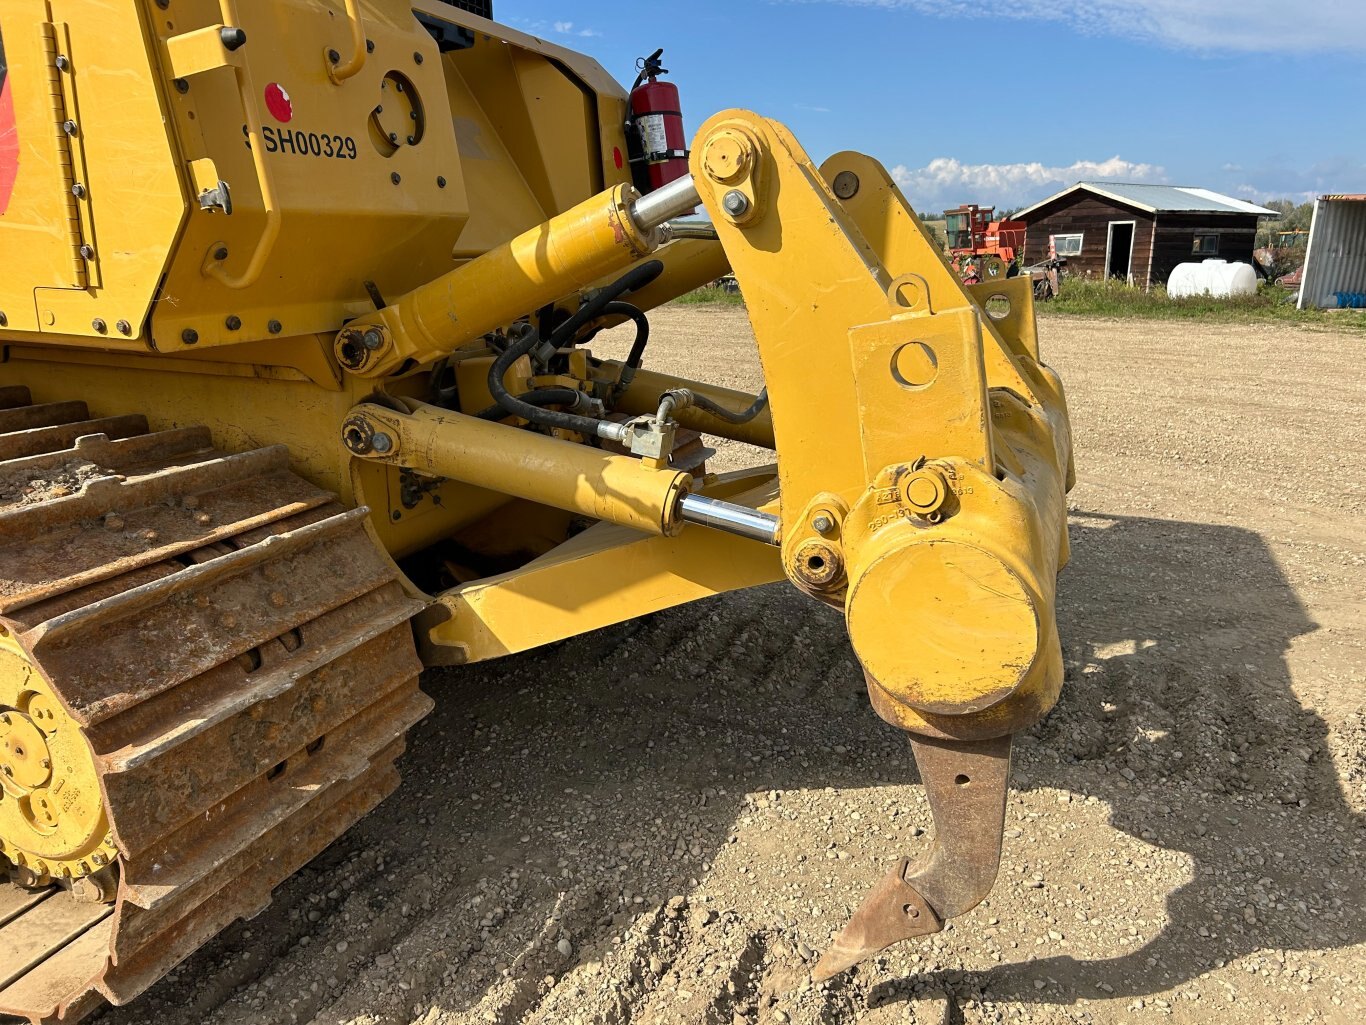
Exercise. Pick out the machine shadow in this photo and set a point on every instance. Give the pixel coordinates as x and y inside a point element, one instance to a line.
<point>615,767</point>
<point>1175,636</point>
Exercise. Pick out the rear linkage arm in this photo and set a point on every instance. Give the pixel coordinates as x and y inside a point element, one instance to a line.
<point>923,459</point>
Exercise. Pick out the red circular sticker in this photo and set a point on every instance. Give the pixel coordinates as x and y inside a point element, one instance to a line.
<point>277,102</point>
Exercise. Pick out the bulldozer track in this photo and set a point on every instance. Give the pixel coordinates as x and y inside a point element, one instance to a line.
<point>234,651</point>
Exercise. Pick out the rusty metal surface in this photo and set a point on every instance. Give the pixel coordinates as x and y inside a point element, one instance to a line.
<point>239,654</point>
<point>966,783</point>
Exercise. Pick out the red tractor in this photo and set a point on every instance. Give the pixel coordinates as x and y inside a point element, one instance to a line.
<point>983,249</point>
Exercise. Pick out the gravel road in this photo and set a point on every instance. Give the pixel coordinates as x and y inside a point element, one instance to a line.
<point>662,821</point>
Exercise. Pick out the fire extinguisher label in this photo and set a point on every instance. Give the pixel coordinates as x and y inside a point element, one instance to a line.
<point>652,136</point>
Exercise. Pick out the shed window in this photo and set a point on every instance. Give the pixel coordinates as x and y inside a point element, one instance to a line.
<point>1206,244</point>
<point>1067,245</point>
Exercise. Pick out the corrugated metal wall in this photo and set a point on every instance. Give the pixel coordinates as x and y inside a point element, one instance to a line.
<point>1336,260</point>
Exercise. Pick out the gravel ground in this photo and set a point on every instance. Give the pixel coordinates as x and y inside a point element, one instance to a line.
<point>662,821</point>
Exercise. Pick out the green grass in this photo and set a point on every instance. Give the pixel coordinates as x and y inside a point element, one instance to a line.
<point>710,295</point>
<point>1081,297</point>
<point>1088,298</point>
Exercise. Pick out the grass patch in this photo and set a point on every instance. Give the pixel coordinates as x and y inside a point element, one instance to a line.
<point>710,295</point>
<point>1082,297</point>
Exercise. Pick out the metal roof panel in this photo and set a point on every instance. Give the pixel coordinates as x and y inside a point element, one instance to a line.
<point>1161,199</point>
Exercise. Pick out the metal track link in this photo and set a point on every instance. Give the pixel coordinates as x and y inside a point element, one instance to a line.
<point>233,652</point>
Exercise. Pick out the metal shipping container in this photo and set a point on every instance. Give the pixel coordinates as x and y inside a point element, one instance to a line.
<point>1335,262</point>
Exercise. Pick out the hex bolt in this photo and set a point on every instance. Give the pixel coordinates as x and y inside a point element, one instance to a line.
<point>440,181</point>
<point>189,336</point>
<point>87,251</point>
<point>372,339</point>
<point>395,178</point>
<point>78,190</point>
<point>412,140</point>
<point>124,327</point>
<point>735,203</point>
<point>233,323</point>
<point>69,127</point>
<point>62,63</point>
<point>334,56</point>
<point>4,320</point>
<point>823,524</point>
<point>275,327</point>
<point>182,86</point>
<point>99,325</point>
<point>393,137</point>
<point>417,58</point>
<point>381,442</point>
<point>221,253</point>
<point>369,46</point>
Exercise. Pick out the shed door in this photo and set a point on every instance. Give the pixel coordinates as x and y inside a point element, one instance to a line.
<point>1119,250</point>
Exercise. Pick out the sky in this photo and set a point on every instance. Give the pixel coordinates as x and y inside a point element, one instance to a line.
<point>1004,102</point>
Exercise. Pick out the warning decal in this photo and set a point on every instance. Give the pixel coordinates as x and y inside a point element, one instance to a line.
<point>9,133</point>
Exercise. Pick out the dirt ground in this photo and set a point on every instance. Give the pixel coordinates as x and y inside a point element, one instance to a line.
<point>662,821</point>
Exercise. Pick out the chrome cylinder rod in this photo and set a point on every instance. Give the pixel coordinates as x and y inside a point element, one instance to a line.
<point>732,518</point>
<point>665,203</point>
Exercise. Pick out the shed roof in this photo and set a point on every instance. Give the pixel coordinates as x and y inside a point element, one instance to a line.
<point>1160,199</point>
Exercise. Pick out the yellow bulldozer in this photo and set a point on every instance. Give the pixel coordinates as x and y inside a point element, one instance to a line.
<point>296,399</point>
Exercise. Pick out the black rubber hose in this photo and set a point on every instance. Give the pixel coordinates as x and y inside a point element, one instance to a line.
<point>539,397</point>
<point>635,278</point>
<point>721,412</point>
<point>642,324</point>
<point>524,338</point>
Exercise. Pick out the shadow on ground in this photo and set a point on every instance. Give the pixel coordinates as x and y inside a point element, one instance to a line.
<point>614,766</point>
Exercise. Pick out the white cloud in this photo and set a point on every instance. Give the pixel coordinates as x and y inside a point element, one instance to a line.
<point>568,28</point>
<point>1218,26</point>
<point>812,108</point>
<point>946,182</point>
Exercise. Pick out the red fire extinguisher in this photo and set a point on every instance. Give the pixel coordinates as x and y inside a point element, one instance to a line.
<point>654,128</point>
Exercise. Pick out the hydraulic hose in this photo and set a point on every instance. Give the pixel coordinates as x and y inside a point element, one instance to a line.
<point>524,338</point>
<point>539,397</point>
<point>682,398</point>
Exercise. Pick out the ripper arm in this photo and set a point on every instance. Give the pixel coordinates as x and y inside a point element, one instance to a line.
<point>923,457</point>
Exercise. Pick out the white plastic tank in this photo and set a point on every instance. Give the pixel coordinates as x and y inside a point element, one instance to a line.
<point>1218,278</point>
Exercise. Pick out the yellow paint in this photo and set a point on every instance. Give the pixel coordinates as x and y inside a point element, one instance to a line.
<point>52,817</point>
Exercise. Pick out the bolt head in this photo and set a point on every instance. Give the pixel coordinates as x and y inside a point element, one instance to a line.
<point>735,203</point>
<point>823,524</point>
<point>275,327</point>
<point>372,339</point>
<point>87,251</point>
<point>334,56</point>
<point>381,442</point>
<point>189,336</point>
<point>99,325</point>
<point>233,323</point>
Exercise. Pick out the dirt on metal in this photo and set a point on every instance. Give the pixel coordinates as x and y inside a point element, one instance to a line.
<point>666,821</point>
<point>234,651</point>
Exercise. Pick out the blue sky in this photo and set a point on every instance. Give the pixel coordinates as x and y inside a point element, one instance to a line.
<point>1006,101</point>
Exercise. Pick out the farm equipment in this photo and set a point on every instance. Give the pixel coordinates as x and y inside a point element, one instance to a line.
<point>295,399</point>
<point>983,249</point>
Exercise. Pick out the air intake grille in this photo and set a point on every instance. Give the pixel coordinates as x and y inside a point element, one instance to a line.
<point>483,8</point>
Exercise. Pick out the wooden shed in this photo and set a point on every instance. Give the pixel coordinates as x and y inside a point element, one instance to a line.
<point>1139,233</point>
